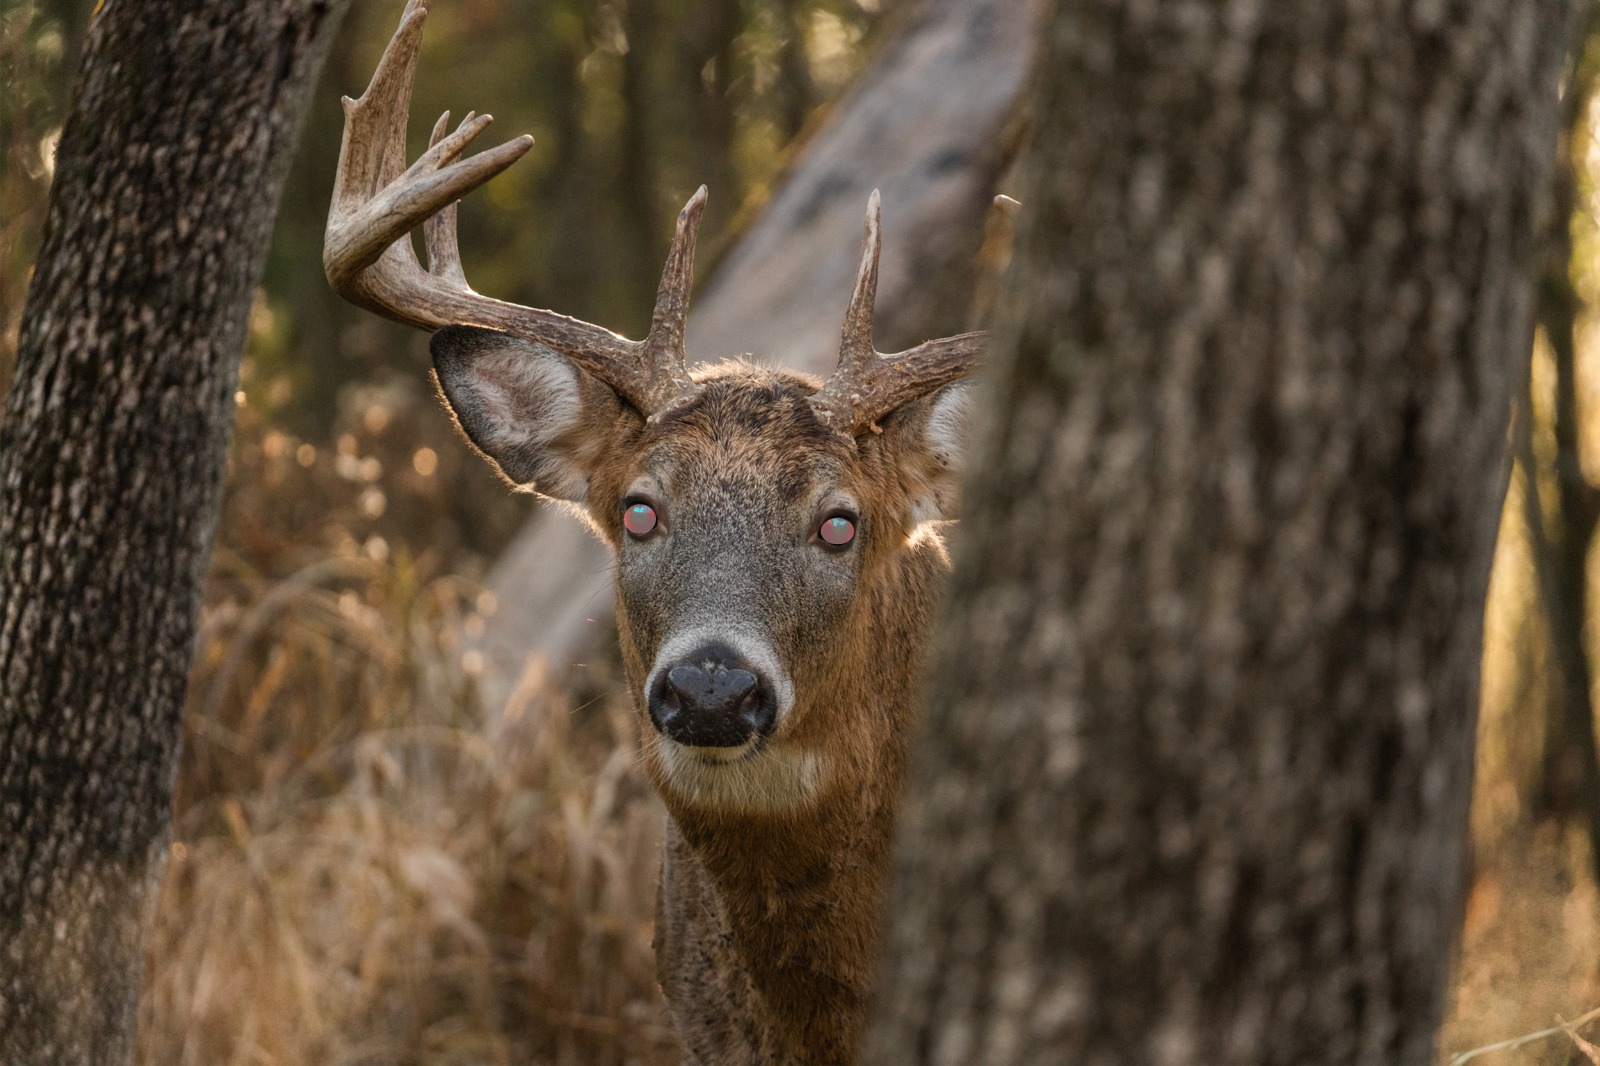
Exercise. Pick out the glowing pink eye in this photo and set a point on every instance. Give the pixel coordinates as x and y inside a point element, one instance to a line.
<point>640,518</point>
<point>837,531</point>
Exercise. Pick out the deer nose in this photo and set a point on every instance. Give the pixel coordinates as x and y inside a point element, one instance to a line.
<point>712,699</point>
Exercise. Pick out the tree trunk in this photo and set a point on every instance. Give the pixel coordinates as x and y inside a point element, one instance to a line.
<point>1569,785</point>
<point>794,71</point>
<point>1194,781</point>
<point>640,160</point>
<point>705,63</point>
<point>112,452</point>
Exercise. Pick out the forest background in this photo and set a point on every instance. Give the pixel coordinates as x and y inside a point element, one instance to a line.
<point>369,863</point>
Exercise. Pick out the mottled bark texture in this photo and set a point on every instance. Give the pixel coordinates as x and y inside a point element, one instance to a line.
<point>112,451</point>
<point>1194,781</point>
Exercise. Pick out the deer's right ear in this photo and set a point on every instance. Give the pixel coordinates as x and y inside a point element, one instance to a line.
<point>543,422</point>
<point>931,432</point>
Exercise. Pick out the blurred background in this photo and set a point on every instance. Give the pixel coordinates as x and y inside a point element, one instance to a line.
<point>369,863</point>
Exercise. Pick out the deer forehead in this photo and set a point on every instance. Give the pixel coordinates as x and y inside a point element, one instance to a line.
<point>750,438</point>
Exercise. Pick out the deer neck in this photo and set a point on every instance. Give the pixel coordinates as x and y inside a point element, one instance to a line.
<point>767,923</point>
<point>774,921</point>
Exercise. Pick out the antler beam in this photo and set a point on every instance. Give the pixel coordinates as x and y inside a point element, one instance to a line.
<point>378,201</point>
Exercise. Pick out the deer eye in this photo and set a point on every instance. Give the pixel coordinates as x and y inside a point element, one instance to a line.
<point>837,531</point>
<point>639,518</point>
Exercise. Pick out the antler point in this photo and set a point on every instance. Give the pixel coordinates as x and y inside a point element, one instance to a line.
<point>691,210</point>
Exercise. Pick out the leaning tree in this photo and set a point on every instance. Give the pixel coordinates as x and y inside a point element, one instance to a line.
<point>1195,775</point>
<point>112,450</point>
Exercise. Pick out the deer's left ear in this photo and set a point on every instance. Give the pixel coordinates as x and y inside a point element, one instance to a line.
<point>932,435</point>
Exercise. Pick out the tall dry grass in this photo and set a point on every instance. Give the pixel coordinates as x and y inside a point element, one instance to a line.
<point>363,870</point>
<point>1529,947</point>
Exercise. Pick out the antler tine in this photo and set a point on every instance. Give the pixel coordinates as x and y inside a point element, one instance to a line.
<point>376,201</point>
<point>855,347</point>
<point>837,400</point>
<point>369,260</point>
<point>867,385</point>
<point>375,121</point>
<point>665,360</point>
<point>439,231</point>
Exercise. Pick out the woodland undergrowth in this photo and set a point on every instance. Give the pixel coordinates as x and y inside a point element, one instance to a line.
<point>368,866</point>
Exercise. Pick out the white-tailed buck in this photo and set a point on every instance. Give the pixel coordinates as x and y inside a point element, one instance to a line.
<point>777,570</point>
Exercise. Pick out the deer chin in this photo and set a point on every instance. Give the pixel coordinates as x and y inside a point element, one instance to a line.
<point>714,756</point>
<point>761,776</point>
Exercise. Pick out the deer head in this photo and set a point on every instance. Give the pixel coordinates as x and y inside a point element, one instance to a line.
<point>764,525</point>
<point>777,564</point>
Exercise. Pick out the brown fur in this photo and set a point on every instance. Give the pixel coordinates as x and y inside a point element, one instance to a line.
<point>767,925</point>
<point>768,914</point>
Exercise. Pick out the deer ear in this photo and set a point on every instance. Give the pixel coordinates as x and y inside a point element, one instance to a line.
<point>543,422</point>
<point>933,432</point>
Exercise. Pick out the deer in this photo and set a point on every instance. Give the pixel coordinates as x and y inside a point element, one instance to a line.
<point>779,558</point>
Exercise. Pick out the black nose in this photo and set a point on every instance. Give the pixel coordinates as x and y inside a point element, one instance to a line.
<point>712,698</point>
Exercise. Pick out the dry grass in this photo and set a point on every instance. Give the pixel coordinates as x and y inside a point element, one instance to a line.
<point>362,869</point>
<point>1528,952</point>
<point>1530,943</point>
<point>363,873</point>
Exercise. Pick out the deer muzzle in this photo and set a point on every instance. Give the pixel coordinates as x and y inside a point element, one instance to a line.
<point>712,698</point>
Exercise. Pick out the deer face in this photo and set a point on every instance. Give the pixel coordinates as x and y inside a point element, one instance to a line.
<point>765,528</point>
<point>755,545</point>
<point>732,589</point>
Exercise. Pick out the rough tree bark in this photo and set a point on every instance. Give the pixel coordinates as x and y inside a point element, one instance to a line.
<point>112,451</point>
<point>1196,767</point>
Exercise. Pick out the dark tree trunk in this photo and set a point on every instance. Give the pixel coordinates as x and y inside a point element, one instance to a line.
<point>799,91</point>
<point>112,451</point>
<point>1569,778</point>
<point>639,162</point>
<point>1196,767</point>
<point>706,65</point>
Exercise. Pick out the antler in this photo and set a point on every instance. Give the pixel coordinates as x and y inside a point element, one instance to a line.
<point>377,202</point>
<point>868,385</point>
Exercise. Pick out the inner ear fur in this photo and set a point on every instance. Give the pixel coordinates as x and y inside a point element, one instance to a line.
<point>543,422</point>
<point>929,436</point>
